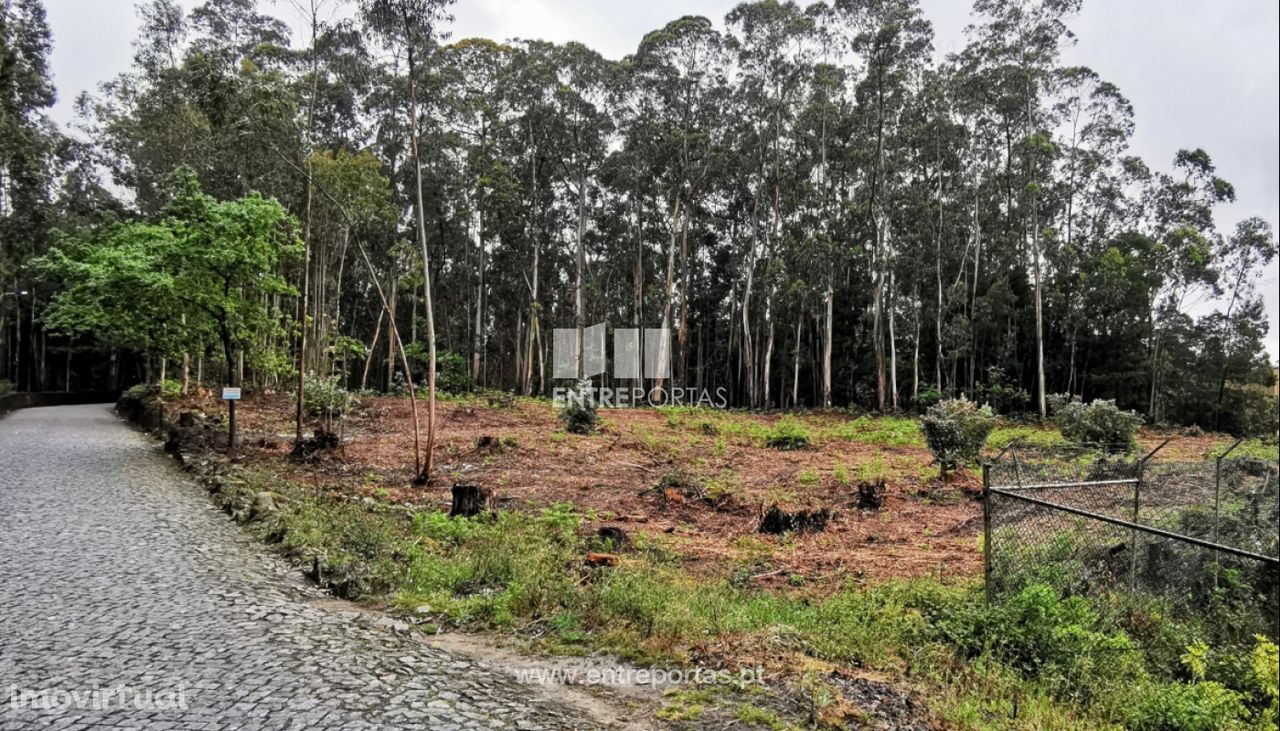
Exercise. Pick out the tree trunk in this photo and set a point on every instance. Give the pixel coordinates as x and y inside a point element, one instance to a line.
<point>579,291</point>
<point>425,474</point>
<point>893,345</point>
<point>826,346</point>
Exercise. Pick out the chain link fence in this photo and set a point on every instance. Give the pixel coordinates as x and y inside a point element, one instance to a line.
<point>1199,538</point>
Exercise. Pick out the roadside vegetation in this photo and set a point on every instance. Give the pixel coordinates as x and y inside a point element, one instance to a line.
<point>1040,658</point>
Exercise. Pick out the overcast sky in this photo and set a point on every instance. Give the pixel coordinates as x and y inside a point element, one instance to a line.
<point>1199,74</point>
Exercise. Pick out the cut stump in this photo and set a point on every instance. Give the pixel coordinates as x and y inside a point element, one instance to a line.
<point>469,501</point>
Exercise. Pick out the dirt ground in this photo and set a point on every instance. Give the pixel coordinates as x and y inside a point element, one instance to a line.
<point>694,486</point>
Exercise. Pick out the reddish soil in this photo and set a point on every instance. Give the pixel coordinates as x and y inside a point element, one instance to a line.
<point>709,519</point>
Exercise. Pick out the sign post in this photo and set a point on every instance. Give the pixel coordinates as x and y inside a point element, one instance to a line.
<point>231,395</point>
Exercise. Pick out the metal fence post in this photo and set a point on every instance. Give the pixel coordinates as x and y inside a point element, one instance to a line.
<point>1217,504</point>
<point>1137,493</point>
<point>1133,534</point>
<point>986,530</point>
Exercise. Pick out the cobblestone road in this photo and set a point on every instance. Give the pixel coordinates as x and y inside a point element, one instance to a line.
<point>117,572</point>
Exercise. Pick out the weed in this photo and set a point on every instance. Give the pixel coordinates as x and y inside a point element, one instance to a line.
<point>788,434</point>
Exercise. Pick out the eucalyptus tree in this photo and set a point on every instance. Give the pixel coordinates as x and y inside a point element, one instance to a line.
<point>409,28</point>
<point>1097,122</point>
<point>477,92</point>
<point>1180,219</point>
<point>895,40</point>
<point>773,61</point>
<point>1243,257</point>
<point>27,145</point>
<point>583,100</point>
<point>1015,50</point>
<point>680,73</point>
<point>529,147</point>
<point>210,94</point>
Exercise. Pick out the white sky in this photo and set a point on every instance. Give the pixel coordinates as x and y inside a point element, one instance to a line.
<point>1199,73</point>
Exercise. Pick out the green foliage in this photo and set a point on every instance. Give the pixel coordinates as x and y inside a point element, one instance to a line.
<point>788,434</point>
<point>1204,706</point>
<point>1048,647</point>
<point>451,368</point>
<point>1098,424</point>
<point>1000,393</point>
<point>926,399</point>
<point>955,431</point>
<point>5,387</point>
<point>325,396</point>
<point>1264,664</point>
<point>203,272</point>
<point>879,431</point>
<point>578,412</point>
<point>1256,409</point>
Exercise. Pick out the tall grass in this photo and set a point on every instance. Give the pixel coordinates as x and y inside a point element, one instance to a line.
<point>1038,660</point>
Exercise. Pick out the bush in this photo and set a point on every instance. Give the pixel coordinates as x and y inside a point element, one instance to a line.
<point>955,431</point>
<point>1254,412</point>
<point>1054,402</point>
<point>451,368</point>
<point>5,387</point>
<point>787,435</point>
<point>1001,394</point>
<point>325,396</point>
<point>579,412</point>
<point>1099,423</point>
<point>926,400</point>
<point>1187,707</point>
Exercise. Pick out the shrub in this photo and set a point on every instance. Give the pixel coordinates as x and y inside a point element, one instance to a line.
<point>955,431</point>
<point>325,396</point>
<point>787,435</point>
<point>1001,393</point>
<point>451,368</point>
<point>1099,423</point>
<point>1187,707</point>
<point>5,387</point>
<point>1254,412</point>
<point>170,388</point>
<point>926,400</point>
<point>579,410</point>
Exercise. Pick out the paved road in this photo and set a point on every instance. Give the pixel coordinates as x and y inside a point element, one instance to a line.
<point>118,576</point>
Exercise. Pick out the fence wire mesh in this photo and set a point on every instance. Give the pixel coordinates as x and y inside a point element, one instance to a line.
<point>1200,538</point>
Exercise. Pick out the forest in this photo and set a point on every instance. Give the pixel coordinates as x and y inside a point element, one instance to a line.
<point>822,211</point>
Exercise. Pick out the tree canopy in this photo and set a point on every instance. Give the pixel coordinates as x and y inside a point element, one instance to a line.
<point>822,210</point>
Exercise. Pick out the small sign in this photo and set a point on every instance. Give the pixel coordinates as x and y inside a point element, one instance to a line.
<point>231,394</point>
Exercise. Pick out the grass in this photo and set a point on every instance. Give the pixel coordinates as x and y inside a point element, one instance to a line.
<point>884,431</point>
<point>1036,661</point>
<point>1029,435</point>
<point>1255,448</point>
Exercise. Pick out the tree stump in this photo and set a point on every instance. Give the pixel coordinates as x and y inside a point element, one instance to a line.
<point>612,536</point>
<point>870,495</point>
<point>776,520</point>
<point>469,501</point>
<point>602,559</point>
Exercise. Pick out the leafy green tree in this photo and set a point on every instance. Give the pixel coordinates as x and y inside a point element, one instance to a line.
<point>208,269</point>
